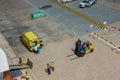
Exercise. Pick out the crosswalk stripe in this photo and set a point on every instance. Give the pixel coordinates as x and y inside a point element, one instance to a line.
<point>87,18</point>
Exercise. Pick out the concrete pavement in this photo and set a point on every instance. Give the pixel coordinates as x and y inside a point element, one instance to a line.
<point>96,65</point>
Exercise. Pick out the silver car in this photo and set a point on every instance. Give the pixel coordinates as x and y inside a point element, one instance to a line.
<point>87,3</point>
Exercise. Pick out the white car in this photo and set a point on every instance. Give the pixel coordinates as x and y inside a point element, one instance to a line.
<point>65,1</point>
<point>87,3</point>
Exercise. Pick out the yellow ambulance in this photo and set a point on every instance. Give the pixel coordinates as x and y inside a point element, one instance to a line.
<point>30,40</point>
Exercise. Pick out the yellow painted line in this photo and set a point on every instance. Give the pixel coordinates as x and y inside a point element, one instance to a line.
<point>87,18</point>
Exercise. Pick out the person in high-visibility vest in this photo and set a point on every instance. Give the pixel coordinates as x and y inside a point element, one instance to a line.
<point>29,63</point>
<point>20,60</point>
<point>52,65</point>
<point>41,43</point>
<point>38,47</point>
<point>27,76</point>
<point>35,49</point>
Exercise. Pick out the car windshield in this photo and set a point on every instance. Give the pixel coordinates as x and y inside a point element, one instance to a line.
<point>85,1</point>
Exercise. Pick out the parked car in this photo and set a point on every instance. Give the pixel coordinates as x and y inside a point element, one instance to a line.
<point>87,3</point>
<point>45,7</point>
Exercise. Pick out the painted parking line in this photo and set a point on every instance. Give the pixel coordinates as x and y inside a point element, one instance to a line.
<point>87,18</point>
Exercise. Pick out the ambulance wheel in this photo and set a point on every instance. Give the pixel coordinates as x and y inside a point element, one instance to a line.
<point>78,54</point>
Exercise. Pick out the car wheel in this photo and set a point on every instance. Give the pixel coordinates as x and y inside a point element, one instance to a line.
<point>90,5</point>
<point>79,6</point>
<point>82,54</point>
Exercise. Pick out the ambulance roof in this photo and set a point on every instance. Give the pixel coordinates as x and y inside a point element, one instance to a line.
<point>31,36</point>
<point>3,61</point>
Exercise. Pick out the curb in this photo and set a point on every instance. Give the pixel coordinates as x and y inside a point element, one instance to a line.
<point>114,47</point>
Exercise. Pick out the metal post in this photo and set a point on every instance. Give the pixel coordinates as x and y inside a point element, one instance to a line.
<point>105,22</point>
<point>91,28</point>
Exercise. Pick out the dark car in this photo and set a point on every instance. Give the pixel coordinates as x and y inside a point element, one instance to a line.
<point>45,7</point>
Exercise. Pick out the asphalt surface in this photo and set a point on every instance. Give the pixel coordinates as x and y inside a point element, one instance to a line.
<point>99,12</point>
<point>74,24</point>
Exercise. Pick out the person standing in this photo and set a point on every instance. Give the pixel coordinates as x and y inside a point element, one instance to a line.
<point>41,43</point>
<point>52,65</point>
<point>29,63</point>
<point>20,60</point>
<point>38,47</point>
<point>79,41</point>
<point>27,76</point>
<point>35,49</point>
<point>48,69</point>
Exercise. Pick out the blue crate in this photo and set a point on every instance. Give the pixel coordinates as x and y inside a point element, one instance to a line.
<point>15,73</point>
